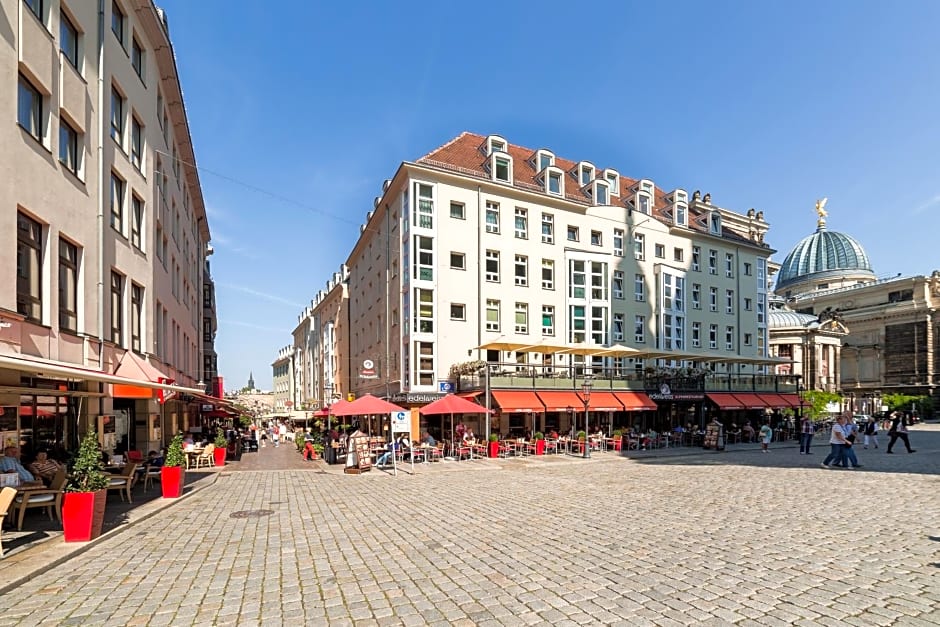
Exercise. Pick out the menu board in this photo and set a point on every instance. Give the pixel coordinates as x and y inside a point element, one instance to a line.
<point>714,438</point>
<point>361,451</point>
<point>9,436</point>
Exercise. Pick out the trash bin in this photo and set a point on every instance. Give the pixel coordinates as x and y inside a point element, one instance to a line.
<point>329,453</point>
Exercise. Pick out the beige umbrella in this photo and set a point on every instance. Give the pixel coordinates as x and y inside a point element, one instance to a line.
<point>503,343</point>
<point>618,350</point>
<point>583,348</point>
<point>544,348</point>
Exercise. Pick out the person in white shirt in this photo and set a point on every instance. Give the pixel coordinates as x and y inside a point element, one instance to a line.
<point>837,441</point>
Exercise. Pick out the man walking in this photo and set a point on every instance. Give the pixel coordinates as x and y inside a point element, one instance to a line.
<point>837,441</point>
<point>899,430</point>
<point>806,436</point>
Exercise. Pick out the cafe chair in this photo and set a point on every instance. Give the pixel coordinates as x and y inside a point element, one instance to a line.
<point>6,498</point>
<point>206,457</point>
<point>49,498</point>
<point>123,482</point>
<point>151,474</point>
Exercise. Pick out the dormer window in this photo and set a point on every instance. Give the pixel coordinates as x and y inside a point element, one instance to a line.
<point>613,178</point>
<point>643,203</point>
<point>585,173</point>
<point>495,143</point>
<point>544,159</point>
<point>501,167</point>
<point>601,193</point>
<point>714,223</point>
<point>554,180</point>
<point>680,208</point>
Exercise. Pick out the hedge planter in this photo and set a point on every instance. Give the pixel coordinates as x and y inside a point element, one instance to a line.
<point>493,449</point>
<point>171,481</point>
<point>219,456</point>
<point>83,515</point>
<point>540,447</point>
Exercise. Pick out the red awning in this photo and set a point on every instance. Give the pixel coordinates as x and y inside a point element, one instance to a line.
<point>511,402</point>
<point>793,399</point>
<point>750,400</point>
<point>774,400</point>
<point>561,401</point>
<point>635,401</point>
<point>602,401</point>
<point>725,401</point>
<point>137,368</point>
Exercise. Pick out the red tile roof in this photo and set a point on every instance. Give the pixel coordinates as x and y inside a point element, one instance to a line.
<point>466,154</point>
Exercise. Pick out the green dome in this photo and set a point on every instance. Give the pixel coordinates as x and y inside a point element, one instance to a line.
<point>824,254</point>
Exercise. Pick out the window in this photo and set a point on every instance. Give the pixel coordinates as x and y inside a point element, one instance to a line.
<point>596,239</point>
<point>729,265</point>
<point>618,242</point>
<point>747,339</point>
<point>548,274</point>
<point>117,116</point>
<point>495,144</point>
<point>680,293</point>
<point>696,258</point>
<point>522,270</point>
<point>602,196</point>
<point>29,268</point>
<point>639,329</point>
<point>35,6</point>
<point>660,251</point>
<point>696,334</point>
<point>544,160</point>
<point>696,296</point>
<point>548,228</point>
<point>618,327</point>
<point>761,267</point>
<point>68,286</point>
<point>164,247</point>
<point>522,223</point>
<point>160,119</point>
<point>714,223</point>
<point>492,315</point>
<point>68,40</point>
<point>617,285</point>
<point>157,240</point>
<point>492,217</point>
<point>667,291</point>
<point>70,149</point>
<point>729,301</point>
<point>424,266</point>
<point>614,180</point>
<point>578,279</point>
<point>458,311</point>
<point>137,222</point>
<point>572,233</point>
<point>30,113</point>
<point>713,336</point>
<point>548,320</point>
<point>643,203</point>
<point>747,269</point>
<point>424,208</point>
<point>458,261</point>
<point>639,288</point>
<point>137,302</point>
<point>458,211</point>
<point>713,299</point>
<point>677,254</point>
<point>522,318</point>
<point>502,169</point>
<point>713,262</point>
<point>117,203</point>
<point>492,266</point>
<point>639,244</point>
<point>729,338</point>
<point>137,143</point>
<point>554,183</point>
<point>424,313</point>
<point>747,304</point>
<point>137,58</point>
<point>680,214</point>
<point>578,324</point>
<point>760,311</point>
<point>587,173</point>
<point>118,19</point>
<point>117,308</point>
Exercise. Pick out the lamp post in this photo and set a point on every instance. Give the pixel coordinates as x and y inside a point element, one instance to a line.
<point>586,386</point>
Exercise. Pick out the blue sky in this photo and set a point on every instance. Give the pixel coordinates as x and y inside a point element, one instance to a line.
<point>299,112</point>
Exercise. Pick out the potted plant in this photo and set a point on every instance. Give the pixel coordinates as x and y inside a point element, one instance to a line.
<point>582,439</point>
<point>172,473</point>
<point>539,443</point>
<point>618,439</point>
<point>221,446</point>
<point>85,493</point>
<point>493,447</point>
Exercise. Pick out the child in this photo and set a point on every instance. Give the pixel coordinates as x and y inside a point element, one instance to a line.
<point>766,434</point>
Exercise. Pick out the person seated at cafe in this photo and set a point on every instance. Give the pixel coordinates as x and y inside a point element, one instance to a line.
<point>468,437</point>
<point>188,441</point>
<point>748,432</point>
<point>390,449</point>
<point>45,468</point>
<point>428,439</point>
<point>10,462</point>
<point>553,435</point>
<point>154,460</point>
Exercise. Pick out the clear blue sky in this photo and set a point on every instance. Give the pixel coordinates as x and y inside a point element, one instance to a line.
<point>299,110</point>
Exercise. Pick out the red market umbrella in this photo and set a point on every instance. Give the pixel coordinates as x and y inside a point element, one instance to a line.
<point>321,413</point>
<point>365,405</point>
<point>452,404</point>
<point>336,406</point>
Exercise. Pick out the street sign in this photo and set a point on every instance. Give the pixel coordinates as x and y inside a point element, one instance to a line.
<point>400,422</point>
<point>445,387</point>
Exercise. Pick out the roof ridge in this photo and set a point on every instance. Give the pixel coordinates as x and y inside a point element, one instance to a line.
<point>446,144</point>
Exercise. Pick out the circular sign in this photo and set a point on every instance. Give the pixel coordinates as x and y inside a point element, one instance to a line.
<point>664,389</point>
<point>288,403</point>
<point>368,364</point>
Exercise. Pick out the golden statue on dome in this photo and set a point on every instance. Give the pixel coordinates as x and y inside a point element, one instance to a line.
<point>821,212</point>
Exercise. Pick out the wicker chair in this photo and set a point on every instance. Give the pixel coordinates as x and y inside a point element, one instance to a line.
<point>6,498</point>
<point>206,456</point>
<point>50,499</point>
<point>123,482</point>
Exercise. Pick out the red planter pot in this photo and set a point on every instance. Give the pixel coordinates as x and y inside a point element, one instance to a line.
<point>540,447</point>
<point>219,456</point>
<point>493,449</point>
<point>83,515</point>
<point>171,481</point>
<point>618,443</point>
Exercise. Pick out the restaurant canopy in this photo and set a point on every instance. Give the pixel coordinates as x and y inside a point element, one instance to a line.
<point>365,405</point>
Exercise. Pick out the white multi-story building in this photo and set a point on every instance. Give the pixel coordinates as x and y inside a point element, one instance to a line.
<point>481,240</point>
<point>104,234</point>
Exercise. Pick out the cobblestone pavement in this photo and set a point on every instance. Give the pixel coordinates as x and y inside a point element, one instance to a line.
<point>707,538</point>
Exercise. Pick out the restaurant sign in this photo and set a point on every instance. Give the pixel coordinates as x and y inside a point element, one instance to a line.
<point>664,393</point>
<point>368,370</point>
<point>415,397</point>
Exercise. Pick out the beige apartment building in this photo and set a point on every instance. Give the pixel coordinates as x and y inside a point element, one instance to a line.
<point>105,235</point>
<point>485,250</point>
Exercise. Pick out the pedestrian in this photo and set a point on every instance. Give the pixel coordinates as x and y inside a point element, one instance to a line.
<point>871,432</point>
<point>899,430</point>
<point>264,438</point>
<point>276,435</point>
<point>851,435</point>
<point>836,456</point>
<point>766,435</point>
<point>806,437</point>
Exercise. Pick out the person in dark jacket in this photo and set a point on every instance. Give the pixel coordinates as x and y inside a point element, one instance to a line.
<point>897,431</point>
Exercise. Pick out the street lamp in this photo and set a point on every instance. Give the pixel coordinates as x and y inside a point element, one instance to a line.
<point>586,390</point>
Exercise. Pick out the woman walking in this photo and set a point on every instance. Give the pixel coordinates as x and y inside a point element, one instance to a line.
<point>871,432</point>
<point>899,430</point>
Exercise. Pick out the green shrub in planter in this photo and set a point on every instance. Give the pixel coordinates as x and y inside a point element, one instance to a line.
<point>220,440</point>
<point>617,433</point>
<point>86,475</point>
<point>581,435</point>
<point>494,437</point>
<point>539,435</point>
<point>174,452</point>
